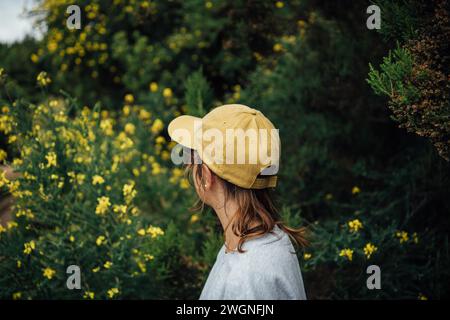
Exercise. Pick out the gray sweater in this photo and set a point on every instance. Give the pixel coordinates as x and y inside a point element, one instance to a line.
<point>268,270</point>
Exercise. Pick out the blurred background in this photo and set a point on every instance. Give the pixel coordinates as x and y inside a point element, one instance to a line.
<point>364,119</point>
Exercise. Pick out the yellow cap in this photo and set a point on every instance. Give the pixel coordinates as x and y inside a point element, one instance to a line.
<point>238,143</point>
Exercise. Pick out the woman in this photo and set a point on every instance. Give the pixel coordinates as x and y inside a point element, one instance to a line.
<point>257,260</point>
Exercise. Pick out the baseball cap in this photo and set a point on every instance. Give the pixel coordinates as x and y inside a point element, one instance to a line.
<point>238,143</point>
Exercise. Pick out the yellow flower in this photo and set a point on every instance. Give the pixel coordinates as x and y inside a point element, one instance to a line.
<point>176,173</point>
<point>16,295</point>
<point>2,229</point>
<point>126,110</point>
<point>96,269</point>
<point>422,297</point>
<point>11,224</point>
<point>369,249</point>
<point>155,231</point>
<point>80,178</point>
<point>3,155</point>
<point>148,257</point>
<point>307,256</point>
<point>348,253</point>
<point>103,205</point>
<point>3,179</point>
<point>34,57</point>
<point>167,93</point>
<point>100,240</point>
<point>279,4</point>
<point>156,168</point>
<point>355,225</point>
<point>107,126</point>
<point>277,47</point>
<point>142,266</point>
<point>112,292</point>
<point>97,180</point>
<point>301,23</point>
<point>71,238</point>
<point>19,264</point>
<point>130,128</point>
<point>328,197</point>
<point>157,126</point>
<point>144,114</point>
<point>129,192</point>
<point>194,218</point>
<point>184,184</point>
<point>51,159</point>
<point>12,139</point>
<point>17,162</point>
<point>49,273</point>
<point>153,87</point>
<point>160,140</point>
<point>141,232</point>
<point>107,264</point>
<point>29,247</point>
<point>43,79</point>
<point>129,98</point>
<point>356,190</point>
<point>52,46</point>
<point>208,5</point>
<point>402,236</point>
<point>120,208</point>
<point>165,155</point>
<point>88,295</point>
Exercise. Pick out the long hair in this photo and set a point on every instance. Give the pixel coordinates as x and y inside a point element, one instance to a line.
<point>253,205</point>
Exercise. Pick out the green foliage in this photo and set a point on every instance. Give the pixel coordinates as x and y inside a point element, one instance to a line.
<point>416,81</point>
<point>124,46</point>
<point>348,173</point>
<point>75,203</point>
<point>393,79</point>
<point>400,18</point>
<point>198,94</point>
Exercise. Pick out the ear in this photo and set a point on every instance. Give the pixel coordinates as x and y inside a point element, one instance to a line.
<point>208,177</point>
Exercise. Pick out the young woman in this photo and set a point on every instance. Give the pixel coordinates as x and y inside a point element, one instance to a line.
<point>257,260</point>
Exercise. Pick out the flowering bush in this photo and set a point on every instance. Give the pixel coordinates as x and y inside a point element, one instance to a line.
<point>82,174</point>
<point>105,58</point>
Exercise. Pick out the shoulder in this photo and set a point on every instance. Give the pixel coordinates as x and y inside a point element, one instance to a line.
<point>268,269</point>
<point>271,254</point>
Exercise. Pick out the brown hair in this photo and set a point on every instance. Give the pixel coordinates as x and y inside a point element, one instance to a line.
<point>254,205</point>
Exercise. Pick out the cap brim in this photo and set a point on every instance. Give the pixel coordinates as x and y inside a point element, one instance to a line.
<point>182,130</point>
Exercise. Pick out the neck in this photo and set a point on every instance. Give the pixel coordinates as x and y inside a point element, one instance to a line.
<point>225,213</point>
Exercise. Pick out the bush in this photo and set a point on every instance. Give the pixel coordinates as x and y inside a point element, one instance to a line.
<point>416,80</point>
<point>92,191</point>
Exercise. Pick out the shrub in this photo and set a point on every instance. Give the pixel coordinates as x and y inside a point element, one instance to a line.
<point>89,194</point>
<point>415,78</point>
